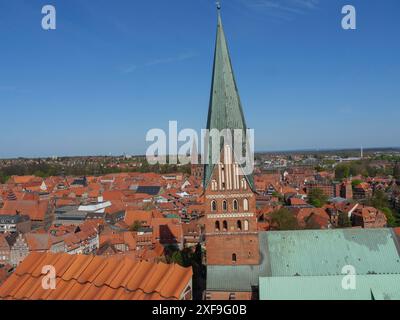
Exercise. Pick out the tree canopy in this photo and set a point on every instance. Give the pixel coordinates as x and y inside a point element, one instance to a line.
<point>317,198</point>
<point>284,219</point>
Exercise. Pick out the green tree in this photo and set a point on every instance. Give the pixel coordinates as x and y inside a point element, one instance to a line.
<point>135,226</point>
<point>39,173</point>
<point>177,257</point>
<point>391,220</point>
<point>396,171</point>
<point>279,196</point>
<point>317,198</point>
<point>284,219</point>
<point>3,177</point>
<point>379,200</point>
<point>342,171</point>
<point>356,182</point>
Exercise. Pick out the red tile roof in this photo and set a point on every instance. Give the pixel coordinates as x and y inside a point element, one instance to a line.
<point>38,242</point>
<point>297,202</point>
<point>4,246</point>
<point>132,215</point>
<point>167,231</point>
<point>36,210</point>
<point>22,179</point>
<point>82,277</point>
<point>113,195</point>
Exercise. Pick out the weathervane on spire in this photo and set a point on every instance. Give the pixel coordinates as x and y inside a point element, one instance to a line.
<point>218,5</point>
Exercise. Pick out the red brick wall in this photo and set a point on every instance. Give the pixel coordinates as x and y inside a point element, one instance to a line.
<point>237,233</point>
<point>220,249</point>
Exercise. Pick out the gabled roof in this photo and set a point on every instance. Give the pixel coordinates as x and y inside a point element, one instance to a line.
<point>22,179</point>
<point>38,241</point>
<point>83,277</point>
<point>132,215</point>
<point>36,210</point>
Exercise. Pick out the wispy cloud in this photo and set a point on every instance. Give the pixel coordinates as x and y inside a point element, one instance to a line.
<point>282,9</point>
<point>159,61</point>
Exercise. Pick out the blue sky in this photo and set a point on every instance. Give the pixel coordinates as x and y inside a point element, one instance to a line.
<point>115,69</point>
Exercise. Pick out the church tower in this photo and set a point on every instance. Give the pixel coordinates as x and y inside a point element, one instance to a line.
<point>231,221</point>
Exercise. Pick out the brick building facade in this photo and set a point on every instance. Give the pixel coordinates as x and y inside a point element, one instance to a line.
<point>231,221</point>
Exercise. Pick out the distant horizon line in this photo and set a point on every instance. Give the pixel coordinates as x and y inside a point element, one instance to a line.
<point>256,152</point>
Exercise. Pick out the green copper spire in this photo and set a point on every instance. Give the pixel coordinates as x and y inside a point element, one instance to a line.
<point>225,110</point>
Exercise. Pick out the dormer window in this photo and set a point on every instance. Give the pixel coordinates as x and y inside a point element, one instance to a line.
<point>243,184</point>
<point>214,185</point>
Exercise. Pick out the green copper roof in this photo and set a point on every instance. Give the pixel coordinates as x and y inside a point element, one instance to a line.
<point>225,109</point>
<point>232,278</point>
<point>314,254</point>
<point>367,287</point>
<point>326,252</point>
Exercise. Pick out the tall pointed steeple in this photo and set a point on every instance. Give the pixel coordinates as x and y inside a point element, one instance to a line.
<point>225,109</point>
<point>231,229</point>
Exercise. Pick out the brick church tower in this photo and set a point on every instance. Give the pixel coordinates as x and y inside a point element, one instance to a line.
<point>231,221</point>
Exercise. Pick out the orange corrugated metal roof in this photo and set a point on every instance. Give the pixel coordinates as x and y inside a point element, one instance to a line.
<point>82,277</point>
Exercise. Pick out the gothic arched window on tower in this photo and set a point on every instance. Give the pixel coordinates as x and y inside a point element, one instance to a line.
<point>234,258</point>
<point>239,225</point>
<point>224,205</point>
<point>246,225</point>
<point>243,184</point>
<point>214,185</point>
<point>217,226</point>
<point>246,205</point>
<point>225,225</point>
<point>235,205</point>
<point>213,205</point>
